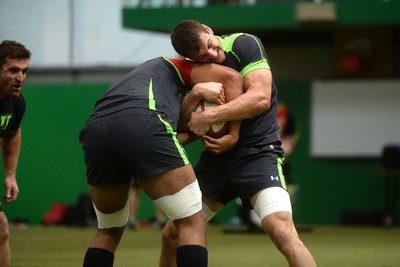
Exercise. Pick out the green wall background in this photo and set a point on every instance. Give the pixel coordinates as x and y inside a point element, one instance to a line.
<point>51,167</point>
<point>51,164</point>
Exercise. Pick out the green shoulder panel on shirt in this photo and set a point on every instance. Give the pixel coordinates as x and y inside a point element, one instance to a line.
<point>227,42</point>
<point>227,45</point>
<point>262,64</point>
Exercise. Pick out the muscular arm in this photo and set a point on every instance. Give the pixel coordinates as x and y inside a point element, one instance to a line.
<point>256,99</point>
<point>212,82</point>
<point>10,145</point>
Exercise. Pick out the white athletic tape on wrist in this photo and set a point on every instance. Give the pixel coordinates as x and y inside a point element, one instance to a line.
<point>182,204</point>
<point>272,200</point>
<point>116,219</point>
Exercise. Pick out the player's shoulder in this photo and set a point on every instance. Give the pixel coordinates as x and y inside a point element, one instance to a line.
<point>183,66</point>
<point>13,104</point>
<point>239,41</point>
<point>240,36</point>
<point>185,62</point>
<point>248,38</point>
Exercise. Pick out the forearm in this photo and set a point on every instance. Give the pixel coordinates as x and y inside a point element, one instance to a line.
<point>255,100</point>
<point>243,107</point>
<point>11,144</point>
<point>185,138</point>
<point>240,108</point>
<point>188,105</point>
<point>234,130</point>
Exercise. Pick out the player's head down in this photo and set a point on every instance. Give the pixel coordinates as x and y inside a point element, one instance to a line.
<point>195,40</point>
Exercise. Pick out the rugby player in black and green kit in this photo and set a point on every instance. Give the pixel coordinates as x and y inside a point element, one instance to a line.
<point>133,132</point>
<point>14,65</point>
<point>252,169</point>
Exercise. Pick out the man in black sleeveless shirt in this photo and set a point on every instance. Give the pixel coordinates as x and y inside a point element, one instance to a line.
<point>14,63</point>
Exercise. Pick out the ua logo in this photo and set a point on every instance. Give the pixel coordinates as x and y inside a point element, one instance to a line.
<point>276,178</point>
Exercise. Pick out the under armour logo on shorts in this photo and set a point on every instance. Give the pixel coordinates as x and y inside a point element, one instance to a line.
<point>274,178</point>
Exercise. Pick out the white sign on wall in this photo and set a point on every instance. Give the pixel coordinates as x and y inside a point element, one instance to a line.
<point>354,118</point>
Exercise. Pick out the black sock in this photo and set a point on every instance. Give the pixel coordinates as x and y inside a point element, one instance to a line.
<point>98,257</point>
<point>191,256</point>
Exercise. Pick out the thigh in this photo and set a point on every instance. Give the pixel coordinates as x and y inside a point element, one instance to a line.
<point>211,172</point>
<point>167,183</point>
<point>258,169</point>
<point>109,199</point>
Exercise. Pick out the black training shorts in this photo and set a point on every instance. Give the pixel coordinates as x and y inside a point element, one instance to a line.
<point>131,143</point>
<point>241,174</point>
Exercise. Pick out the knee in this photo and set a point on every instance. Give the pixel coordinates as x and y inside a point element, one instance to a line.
<point>4,230</point>
<point>169,233</point>
<point>280,234</point>
<point>281,230</point>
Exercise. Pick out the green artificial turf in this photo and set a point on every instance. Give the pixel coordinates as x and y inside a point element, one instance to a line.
<point>332,246</point>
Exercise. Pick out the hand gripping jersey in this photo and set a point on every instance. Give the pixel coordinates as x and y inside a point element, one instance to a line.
<point>245,53</point>
<point>158,84</point>
<point>12,110</point>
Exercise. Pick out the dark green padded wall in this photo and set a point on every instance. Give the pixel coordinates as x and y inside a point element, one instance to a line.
<point>51,162</point>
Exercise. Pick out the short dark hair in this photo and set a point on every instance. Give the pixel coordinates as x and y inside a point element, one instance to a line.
<point>13,49</point>
<point>186,36</point>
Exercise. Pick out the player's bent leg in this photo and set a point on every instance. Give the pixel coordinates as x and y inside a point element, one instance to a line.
<point>280,228</point>
<point>184,209</point>
<point>112,211</point>
<point>209,209</point>
<point>273,207</point>
<point>191,250</point>
<point>169,244</point>
<point>178,194</point>
<point>169,238</point>
<point>4,241</point>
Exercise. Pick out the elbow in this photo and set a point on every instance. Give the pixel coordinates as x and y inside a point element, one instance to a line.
<point>263,104</point>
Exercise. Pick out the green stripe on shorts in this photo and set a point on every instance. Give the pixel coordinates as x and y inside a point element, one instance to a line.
<point>281,176</point>
<point>175,138</point>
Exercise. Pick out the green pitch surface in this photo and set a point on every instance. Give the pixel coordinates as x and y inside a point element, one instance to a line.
<point>331,246</point>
